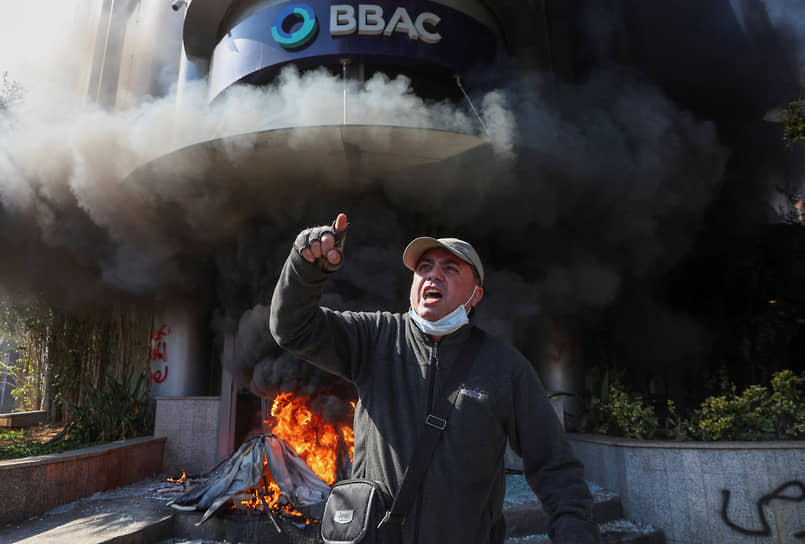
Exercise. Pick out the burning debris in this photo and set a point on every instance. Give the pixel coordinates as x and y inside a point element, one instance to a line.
<point>180,480</point>
<point>287,471</point>
<point>293,483</point>
<point>325,447</point>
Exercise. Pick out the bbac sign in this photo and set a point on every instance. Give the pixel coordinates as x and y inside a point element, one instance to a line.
<point>370,22</point>
<point>318,32</point>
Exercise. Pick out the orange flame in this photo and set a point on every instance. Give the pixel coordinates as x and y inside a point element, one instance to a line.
<point>271,494</point>
<point>317,442</point>
<point>180,480</point>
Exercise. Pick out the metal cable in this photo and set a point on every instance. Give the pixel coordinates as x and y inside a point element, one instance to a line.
<point>475,111</point>
<point>344,63</point>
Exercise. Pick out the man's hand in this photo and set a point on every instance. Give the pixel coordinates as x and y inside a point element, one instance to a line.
<point>324,244</point>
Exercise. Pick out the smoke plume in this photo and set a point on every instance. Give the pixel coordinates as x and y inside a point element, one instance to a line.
<point>585,195</point>
<point>788,20</point>
<point>69,202</point>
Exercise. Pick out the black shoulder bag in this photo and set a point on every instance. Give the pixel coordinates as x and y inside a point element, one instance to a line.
<point>356,512</point>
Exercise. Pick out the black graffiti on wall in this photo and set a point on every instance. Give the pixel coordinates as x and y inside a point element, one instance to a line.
<point>778,494</point>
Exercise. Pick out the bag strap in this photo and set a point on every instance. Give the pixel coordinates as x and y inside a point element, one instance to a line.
<point>435,423</point>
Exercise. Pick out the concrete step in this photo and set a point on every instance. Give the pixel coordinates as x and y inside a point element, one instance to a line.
<point>630,532</point>
<point>524,514</point>
<point>526,523</point>
<point>138,514</point>
<point>617,532</point>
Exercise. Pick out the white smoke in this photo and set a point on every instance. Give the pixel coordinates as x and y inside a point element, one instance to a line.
<point>42,46</point>
<point>317,98</point>
<point>65,162</point>
<point>610,181</point>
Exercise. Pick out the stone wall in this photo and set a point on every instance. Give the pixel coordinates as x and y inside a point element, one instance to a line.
<point>191,426</point>
<point>704,492</point>
<point>33,485</point>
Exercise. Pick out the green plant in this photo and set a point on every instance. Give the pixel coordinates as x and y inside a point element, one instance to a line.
<point>116,411</point>
<point>676,426</point>
<point>755,414</point>
<point>758,413</point>
<point>60,355</point>
<point>13,435</point>
<point>20,443</point>
<point>609,409</point>
<point>794,121</point>
<point>786,404</point>
<point>627,415</point>
<point>596,394</point>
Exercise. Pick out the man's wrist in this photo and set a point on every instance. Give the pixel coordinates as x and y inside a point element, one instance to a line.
<point>306,271</point>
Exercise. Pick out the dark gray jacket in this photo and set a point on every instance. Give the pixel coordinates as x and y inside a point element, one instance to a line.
<point>390,361</point>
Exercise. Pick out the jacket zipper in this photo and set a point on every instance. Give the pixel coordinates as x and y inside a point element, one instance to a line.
<point>433,377</point>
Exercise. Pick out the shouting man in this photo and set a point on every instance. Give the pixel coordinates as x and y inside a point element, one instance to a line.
<point>398,363</point>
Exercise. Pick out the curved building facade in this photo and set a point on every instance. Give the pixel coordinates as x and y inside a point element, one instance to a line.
<point>227,43</point>
<point>248,42</point>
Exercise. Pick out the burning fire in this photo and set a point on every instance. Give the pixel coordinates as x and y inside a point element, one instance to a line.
<point>315,440</point>
<point>271,494</point>
<point>180,480</point>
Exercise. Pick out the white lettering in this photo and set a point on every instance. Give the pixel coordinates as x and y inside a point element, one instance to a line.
<point>370,19</point>
<point>370,22</point>
<point>343,516</point>
<point>342,20</point>
<point>433,20</point>
<point>401,22</point>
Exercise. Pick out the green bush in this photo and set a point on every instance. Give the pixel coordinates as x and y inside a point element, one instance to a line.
<point>595,396</point>
<point>20,443</point>
<point>622,414</point>
<point>794,122</point>
<point>756,414</point>
<point>786,404</point>
<point>118,410</point>
<point>676,426</point>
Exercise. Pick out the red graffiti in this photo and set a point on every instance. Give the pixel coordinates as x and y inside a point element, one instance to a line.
<point>159,348</point>
<point>160,333</point>
<point>159,352</point>
<point>563,348</point>
<point>157,377</point>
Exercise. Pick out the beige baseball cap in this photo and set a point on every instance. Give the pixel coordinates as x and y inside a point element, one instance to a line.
<point>461,249</point>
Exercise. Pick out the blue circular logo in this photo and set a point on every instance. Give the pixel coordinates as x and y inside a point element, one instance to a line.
<point>289,15</point>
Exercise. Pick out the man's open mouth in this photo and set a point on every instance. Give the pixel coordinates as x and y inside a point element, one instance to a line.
<point>431,295</point>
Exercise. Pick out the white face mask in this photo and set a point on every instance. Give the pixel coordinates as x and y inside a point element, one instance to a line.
<point>444,326</point>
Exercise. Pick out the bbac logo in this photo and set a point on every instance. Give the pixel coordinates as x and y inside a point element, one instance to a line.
<point>370,21</point>
<point>289,15</point>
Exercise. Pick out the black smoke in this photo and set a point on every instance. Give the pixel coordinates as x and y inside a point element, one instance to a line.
<point>597,191</point>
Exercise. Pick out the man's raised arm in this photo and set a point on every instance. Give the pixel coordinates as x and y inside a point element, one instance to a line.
<point>298,324</point>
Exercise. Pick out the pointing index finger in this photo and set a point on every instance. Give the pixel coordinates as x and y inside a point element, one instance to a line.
<point>341,222</point>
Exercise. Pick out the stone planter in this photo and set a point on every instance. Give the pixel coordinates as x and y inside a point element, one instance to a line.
<point>33,485</point>
<point>704,492</point>
<point>23,419</point>
<point>191,426</point>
